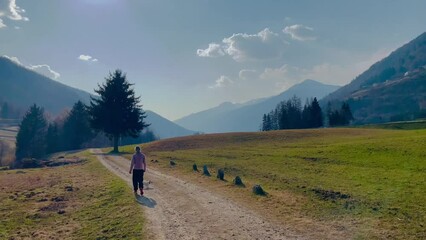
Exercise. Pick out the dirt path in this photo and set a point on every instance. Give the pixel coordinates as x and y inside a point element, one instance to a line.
<point>176,209</point>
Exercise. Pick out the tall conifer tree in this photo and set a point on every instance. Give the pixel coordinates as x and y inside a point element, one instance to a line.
<point>30,141</point>
<point>77,129</point>
<point>117,111</point>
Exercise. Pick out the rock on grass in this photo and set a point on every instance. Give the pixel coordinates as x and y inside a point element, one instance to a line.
<point>238,181</point>
<point>258,190</point>
<point>221,174</point>
<point>206,171</point>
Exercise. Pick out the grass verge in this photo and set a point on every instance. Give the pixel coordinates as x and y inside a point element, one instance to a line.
<point>80,201</point>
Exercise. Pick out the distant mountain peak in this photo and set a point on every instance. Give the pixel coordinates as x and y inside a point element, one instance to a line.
<point>232,117</point>
<point>310,81</point>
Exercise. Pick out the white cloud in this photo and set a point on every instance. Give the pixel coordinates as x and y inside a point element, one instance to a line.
<point>300,32</point>
<point>222,81</point>
<point>247,74</point>
<point>13,59</point>
<point>213,50</point>
<point>87,58</point>
<point>84,57</point>
<point>45,70</point>
<point>260,46</point>
<point>263,45</point>
<point>15,12</point>
<point>11,11</point>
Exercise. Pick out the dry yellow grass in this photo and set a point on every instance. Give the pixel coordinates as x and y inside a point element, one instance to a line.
<point>79,201</point>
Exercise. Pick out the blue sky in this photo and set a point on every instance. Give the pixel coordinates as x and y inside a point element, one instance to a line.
<point>188,55</point>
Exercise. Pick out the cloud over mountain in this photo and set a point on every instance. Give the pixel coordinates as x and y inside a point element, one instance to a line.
<point>45,70</point>
<point>260,46</point>
<point>263,45</point>
<point>42,69</point>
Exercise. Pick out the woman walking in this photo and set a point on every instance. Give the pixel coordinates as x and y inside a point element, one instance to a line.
<point>138,165</point>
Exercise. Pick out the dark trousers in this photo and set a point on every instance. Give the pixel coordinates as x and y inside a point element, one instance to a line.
<point>137,178</point>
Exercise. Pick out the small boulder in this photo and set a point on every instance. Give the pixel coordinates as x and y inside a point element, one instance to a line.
<point>221,174</point>
<point>206,171</point>
<point>172,163</point>
<point>258,190</point>
<point>69,188</point>
<point>238,181</point>
<point>195,168</point>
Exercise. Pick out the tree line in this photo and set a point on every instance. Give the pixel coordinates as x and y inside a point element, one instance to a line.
<point>115,115</point>
<point>291,115</point>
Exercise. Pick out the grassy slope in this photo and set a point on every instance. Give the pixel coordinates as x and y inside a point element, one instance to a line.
<point>100,206</point>
<point>383,171</point>
<point>407,125</point>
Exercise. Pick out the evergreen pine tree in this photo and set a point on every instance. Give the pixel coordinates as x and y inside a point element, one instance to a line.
<point>346,114</point>
<point>52,138</point>
<point>30,141</point>
<point>316,114</point>
<point>117,111</point>
<point>77,129</point>
<point>264,123</point>
<point>306,116</point>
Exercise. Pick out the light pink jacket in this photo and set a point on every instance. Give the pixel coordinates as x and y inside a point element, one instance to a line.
<point>138,161</point>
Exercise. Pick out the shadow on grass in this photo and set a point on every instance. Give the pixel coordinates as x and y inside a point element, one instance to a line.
<point>149,202</point>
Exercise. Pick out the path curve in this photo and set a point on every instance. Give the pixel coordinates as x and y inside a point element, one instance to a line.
<point>176,209</point>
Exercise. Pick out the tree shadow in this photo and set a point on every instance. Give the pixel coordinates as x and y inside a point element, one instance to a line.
<point>149,202</point>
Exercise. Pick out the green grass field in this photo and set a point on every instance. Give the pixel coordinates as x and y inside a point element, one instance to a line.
<point>99,205</point>
<point>372,181</point>
<point>407,125</point>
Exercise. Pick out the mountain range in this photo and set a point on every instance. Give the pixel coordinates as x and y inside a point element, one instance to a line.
<point>22,87</point>
<point>231,117</point>
<point>164,128</point>
<point>391,89</point>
